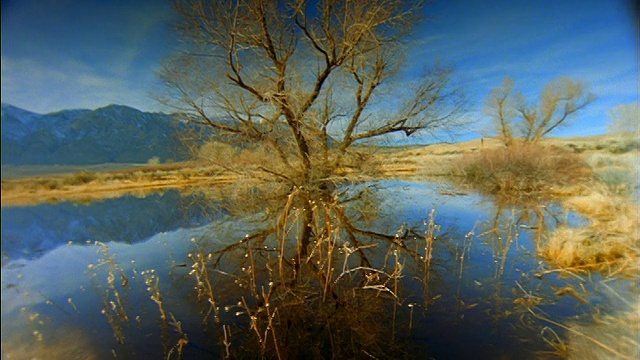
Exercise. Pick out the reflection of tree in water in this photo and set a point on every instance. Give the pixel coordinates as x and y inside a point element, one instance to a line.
<point>318,283</point>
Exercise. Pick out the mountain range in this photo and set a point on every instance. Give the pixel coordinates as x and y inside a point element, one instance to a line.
<point>111,134</point>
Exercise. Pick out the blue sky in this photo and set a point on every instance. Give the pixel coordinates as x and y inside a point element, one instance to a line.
<point>59,54</point>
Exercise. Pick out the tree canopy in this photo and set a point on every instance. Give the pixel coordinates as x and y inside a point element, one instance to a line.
<point>514,116</point>
<point>304,80</point>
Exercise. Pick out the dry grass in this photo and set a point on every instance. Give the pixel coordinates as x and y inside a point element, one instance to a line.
<point>410,162</point>
<point>608,243</point>
<point>84,186</point>
<point>595,184</point>
<point>619,173</point>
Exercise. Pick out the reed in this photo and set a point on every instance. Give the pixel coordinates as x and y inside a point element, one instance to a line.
<point>113,296</point>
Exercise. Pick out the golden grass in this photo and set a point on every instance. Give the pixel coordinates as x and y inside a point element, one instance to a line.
<point>82,187</point>
<point>610,241</point>
<point>430,162</point>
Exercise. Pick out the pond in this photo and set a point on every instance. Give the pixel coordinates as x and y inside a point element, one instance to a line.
<point>135,278</point>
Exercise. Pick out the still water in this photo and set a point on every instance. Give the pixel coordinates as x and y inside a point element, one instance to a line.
<point>79,280</point>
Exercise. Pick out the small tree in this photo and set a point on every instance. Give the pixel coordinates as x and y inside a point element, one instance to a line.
<point>499,106</point>
<point>515,116</point>
<point>155,160</point>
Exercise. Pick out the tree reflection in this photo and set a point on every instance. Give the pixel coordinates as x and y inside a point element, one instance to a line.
<point>319,280</point>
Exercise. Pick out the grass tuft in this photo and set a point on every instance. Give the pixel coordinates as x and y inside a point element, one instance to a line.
<point>608,243</point>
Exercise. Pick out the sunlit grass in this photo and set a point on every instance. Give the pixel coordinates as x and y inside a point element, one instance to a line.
<point>609,243</point>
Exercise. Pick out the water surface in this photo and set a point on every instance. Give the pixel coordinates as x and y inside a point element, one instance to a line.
<point>62,296</point>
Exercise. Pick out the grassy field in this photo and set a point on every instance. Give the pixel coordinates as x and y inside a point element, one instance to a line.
<point>612,159</point>
<point>85,186</point>
<point>29,171</point>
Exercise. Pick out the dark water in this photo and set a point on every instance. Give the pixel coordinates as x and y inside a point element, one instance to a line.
<point>483,283</point>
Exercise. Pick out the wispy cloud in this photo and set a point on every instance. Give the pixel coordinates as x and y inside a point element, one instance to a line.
<point>69,54</point>
<point>535,44</point>
<point>41,87</point>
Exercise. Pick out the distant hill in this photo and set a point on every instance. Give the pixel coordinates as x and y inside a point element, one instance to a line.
<point>112,134</point>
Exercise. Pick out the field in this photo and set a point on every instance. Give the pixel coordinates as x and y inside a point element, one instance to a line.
<point>611,158</point>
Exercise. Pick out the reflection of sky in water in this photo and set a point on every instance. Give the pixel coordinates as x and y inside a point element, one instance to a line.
<point>472,314</point>
<point>29,232</point>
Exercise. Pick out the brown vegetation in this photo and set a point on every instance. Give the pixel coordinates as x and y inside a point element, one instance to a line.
<point>610,165</point>
<point>90,186</point>
<point>595,184</point>
<point>521,172</point>
<point>609,243</point>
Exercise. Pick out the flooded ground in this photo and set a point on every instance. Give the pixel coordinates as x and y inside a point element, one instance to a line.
<point>478,290</point>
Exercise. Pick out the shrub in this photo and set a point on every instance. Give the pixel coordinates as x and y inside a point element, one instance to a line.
<point>625,146</point>
<point>617,180</point>
<point>521,170</point>
<point>218,152</point>
<point>79,178</point>
<point>153,161</point>
<point>52,184</point>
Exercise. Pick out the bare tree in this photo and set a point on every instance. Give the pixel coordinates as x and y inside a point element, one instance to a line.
<point>306,80</point>
<point>515,116</point>
<point>298,83</point>
<point>499,106</point>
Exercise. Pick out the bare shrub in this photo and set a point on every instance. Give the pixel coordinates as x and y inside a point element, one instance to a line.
<point>521,171</point>
<point>153,161</point>
<point>216,152</point>
<point>515,116</point>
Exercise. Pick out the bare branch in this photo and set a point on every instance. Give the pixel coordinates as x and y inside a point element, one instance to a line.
<point>559,100</point>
